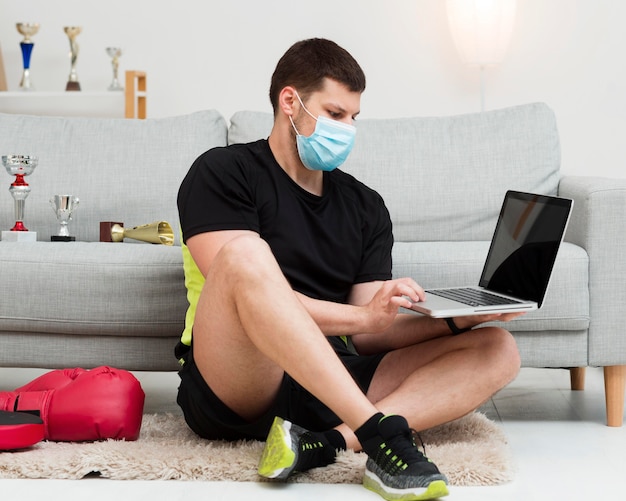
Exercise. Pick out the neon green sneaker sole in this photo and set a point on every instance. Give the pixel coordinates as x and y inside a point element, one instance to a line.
<point>436,489</point>
<point>278,458</point>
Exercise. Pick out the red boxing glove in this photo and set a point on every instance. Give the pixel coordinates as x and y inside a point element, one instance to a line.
<point>19,430</point>
<point>93,405</point>
<point>52,380</point>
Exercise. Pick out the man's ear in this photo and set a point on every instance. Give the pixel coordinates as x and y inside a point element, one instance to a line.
<point>287,99</point>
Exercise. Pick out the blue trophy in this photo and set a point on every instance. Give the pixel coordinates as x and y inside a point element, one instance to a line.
<point>28,30</point>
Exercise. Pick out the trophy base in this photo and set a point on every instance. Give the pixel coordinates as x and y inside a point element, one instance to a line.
<point>58,238</point>
<point>19,236</point>
<point>106,230</point>
<point>72,86</point>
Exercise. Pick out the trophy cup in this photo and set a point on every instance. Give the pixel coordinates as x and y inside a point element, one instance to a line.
<point>19,166</point>
<point>28,30</point>
<point>115,53</point>
<point>159,232</point>
<point>72,32</point>
<point>63,206</point>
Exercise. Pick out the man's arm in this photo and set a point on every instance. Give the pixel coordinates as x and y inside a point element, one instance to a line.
<point>372,316</point>
<point>408,328</point>
<point>205,246</point>
<point>334,319</point>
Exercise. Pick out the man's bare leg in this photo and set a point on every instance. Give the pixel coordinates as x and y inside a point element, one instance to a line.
<point>443,379</point>
<point>250,328</point>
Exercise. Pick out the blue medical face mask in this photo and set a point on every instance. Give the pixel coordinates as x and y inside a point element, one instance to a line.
<point>329,145</point>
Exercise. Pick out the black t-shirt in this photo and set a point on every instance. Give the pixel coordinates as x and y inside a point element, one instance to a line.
<point>323,244</point>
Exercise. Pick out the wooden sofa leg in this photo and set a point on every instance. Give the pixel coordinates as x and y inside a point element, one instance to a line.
<point>614,385</point>
<point>577,378</point>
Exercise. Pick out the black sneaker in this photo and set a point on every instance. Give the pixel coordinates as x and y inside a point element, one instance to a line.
<point>396,469</point>
<point>290,448</point>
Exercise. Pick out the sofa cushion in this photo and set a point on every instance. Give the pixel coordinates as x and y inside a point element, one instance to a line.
<point>92,288</point>
<point>121,170</point>
<point>246,126</point>
<point>444,178</point>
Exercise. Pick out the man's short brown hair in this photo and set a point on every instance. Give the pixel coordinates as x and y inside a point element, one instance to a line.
<point>307,63</point>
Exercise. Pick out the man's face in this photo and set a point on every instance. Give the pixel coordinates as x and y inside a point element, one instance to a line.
<point>334,101</point>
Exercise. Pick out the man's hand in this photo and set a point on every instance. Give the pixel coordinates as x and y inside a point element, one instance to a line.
<point>382,309</point>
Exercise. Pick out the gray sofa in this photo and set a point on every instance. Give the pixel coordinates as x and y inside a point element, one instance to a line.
<point>88,303</point>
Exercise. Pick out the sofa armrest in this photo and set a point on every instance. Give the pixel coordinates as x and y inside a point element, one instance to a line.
<point>597,224</point>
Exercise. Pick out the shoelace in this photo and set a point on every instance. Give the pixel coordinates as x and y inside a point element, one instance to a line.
<point>401,451</point>
<point>415,435</point>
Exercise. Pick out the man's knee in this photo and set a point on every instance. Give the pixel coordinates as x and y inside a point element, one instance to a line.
<point>501,348</point>
<point>510,353</point>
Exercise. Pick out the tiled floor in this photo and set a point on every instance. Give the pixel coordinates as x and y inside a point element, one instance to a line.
<point>562,448</point>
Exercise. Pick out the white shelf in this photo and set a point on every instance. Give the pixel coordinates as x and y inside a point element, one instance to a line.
<point>127,103</point>
<point>64,103</point>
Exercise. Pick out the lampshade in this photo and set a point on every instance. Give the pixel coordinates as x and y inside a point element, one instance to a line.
<point>481,29</point>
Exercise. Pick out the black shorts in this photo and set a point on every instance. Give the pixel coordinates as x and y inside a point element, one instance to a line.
<point>207,416</point>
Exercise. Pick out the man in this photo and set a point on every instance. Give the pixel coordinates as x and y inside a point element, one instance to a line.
<point>297,334</point>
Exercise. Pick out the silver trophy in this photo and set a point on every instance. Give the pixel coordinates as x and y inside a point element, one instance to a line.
<point>115,53</point>
<point>19,166</point>
<point>28,30</point>
<point>72,32</point>
<point>63,206</point>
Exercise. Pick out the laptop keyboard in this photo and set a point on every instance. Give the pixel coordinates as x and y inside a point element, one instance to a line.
<point>472,297</point>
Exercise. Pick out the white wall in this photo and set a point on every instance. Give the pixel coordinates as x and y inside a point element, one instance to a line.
<point>210,54</point>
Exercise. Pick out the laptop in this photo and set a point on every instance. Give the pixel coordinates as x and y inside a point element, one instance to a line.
<point>519,264</point>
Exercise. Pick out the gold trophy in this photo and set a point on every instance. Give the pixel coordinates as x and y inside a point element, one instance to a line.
<point>159,232</point>
<point>72,32</point>
<point>115,53</point>
<point>28,30</point>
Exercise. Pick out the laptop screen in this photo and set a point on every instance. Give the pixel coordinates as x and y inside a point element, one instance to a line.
<point>525,244</point>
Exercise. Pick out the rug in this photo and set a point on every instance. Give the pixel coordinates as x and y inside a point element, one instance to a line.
<point>470,451</point>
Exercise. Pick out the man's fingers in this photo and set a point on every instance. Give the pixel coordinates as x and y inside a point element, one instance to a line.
<point>406,287</point>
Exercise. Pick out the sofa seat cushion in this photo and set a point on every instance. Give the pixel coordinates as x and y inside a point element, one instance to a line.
<point>92,288</point>
<point>449,264</point>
